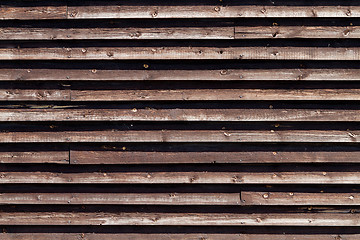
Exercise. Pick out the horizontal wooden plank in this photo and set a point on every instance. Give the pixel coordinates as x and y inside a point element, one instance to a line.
<point>20,156</point>
<point>181,177</point>
<point>185,219</point>
<point>247,115</point>
<point>262,32</point>
<point>185,11</point>
<point>178,94</point>
<point>320,136</point>
<point>206,11</point>
<point>208,75</point>
<point>174,53</point>
<point>34,12</point>
<point>132,157</point>
<point>174,236</point>
<point>122,198</point>
<point>215,94</point>
<point>34,95</point>
<point>299,198</point>
<point>117,33</point>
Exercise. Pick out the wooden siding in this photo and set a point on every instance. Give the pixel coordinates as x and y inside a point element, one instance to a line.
<point>206,119</point>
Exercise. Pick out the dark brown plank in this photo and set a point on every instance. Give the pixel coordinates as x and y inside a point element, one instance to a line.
<point>44,156</point>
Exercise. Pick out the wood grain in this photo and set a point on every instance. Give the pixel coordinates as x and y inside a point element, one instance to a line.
<point>173,75</point>
<point>181,53</point>
<point>288,32</point>
<point>188,219</point>
<point>299,198</point>
<point>122,198</point>
<point>173,236</point>
<point>180,178</point>
<point>315,136</point>
<point>136,157</point>
<point>245,115</point>
<point>116,33</point>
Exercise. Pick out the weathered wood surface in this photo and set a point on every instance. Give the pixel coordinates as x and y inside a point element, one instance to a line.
<point>200,11</point>
<point>179,95</point>
<point>253,11</point>
<point>187,219</point>
<point>122,198</point>
<point>19,156</point>
<point>117,33</point>
<point>241,32</point>
<point>181,53</point>
<point>235,136</point>
<point>135,114</point>
<point>36,13</point>
<point>299,198</point>
<point>245,32</point>
<point>181,177</point>
<point>136,157</point>
<point>172,75</point>
<point>174,236</point>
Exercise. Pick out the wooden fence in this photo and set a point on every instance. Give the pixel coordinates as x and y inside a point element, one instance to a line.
<point>205,119</point>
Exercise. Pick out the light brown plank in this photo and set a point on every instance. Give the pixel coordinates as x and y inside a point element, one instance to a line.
<point>179,94</point>
<point>202,11</point>
<point>261,32</point>
<point>129,157</point>
<point>174,236</point>
<point>19,156</point>
<point>246,115</point>
<point>215,94</point>
<point>36,12</point>
<point>122,198</point>
<point>181,177</point>
<point>299,198</point>
<point>140,75</point>
<point>183,136</point>
<point>186,219</point>
<point>174,53</point>
<point>34,95</point>
<point>117,33</point>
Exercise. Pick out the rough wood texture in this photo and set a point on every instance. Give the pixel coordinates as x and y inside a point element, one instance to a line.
<point>117,33</point>
<point>122,198</point>
<point>182,177</point>
<point>188,219</point>
<point>244,32</point>
<point>133,157</point>
<point>301,136</point>
<point>172,75</point>
<point>247,11</point>
<point>36,13</point>
<point>298,198</point>
<point>181,53</point>
<point>134,114</point>
<point>173,236</point>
